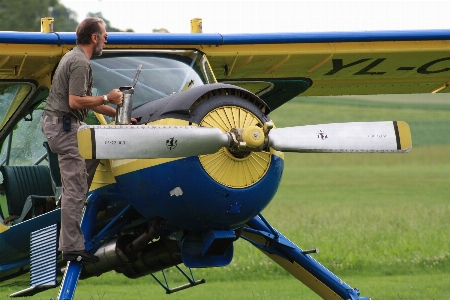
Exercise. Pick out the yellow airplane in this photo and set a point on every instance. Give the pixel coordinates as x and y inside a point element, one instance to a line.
<point>205,158</point>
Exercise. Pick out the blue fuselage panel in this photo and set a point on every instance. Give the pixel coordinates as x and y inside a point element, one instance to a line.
<point>15,242</point>
<point>181,192</point>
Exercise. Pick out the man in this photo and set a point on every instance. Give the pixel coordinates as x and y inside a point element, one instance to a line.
<point>66,108</point>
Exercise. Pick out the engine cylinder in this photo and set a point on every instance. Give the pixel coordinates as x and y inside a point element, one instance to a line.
<point>154,257</point>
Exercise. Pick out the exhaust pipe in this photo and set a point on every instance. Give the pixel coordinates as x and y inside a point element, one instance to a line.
<point>154,257</point>
<point>134,256</point>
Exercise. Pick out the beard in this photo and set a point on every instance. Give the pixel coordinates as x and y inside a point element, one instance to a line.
<point>98,49</point>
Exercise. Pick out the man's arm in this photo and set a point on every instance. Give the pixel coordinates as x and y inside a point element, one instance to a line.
<point>109,111</point>
<point>105,110</point>
<point>78,102</point>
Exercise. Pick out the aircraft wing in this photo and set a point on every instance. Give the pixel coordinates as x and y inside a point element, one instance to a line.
<point>337,63</point>
<point>280,66</point>
<point>273,65</point>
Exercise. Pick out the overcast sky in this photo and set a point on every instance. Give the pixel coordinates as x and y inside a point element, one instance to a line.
<point>250,16</point>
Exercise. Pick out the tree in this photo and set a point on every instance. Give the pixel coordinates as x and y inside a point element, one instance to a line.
<point>161,30</point>
<point>24,15</point>
<point>65,18</point>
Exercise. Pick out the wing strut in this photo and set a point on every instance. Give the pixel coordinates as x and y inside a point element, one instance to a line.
<point>297,262</point>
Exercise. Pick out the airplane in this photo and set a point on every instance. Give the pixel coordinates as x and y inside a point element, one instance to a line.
<point>205,159</point>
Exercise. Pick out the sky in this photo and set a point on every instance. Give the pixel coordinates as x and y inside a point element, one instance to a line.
<point>251,16</point>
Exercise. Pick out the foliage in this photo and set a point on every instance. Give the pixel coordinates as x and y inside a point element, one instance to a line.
<point>161,30</point>
<point>65,18</point>
<point>25,15</point>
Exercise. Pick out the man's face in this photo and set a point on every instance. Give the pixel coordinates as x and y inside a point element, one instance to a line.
<point>101,41</point>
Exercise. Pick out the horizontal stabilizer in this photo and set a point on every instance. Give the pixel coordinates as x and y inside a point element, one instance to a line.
<point>134,141</point>
<point>343,137</point>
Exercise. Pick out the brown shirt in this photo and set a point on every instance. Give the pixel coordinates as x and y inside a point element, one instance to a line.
<point>72,77</point>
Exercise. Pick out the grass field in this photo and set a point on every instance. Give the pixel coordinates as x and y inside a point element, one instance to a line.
<point>381,221</point>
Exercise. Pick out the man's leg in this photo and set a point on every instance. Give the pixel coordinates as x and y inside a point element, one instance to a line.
<point>74,181</point>
<point>75,186</point>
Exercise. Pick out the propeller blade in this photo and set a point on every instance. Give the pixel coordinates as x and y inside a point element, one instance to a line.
<point>343,137</point>
<point>133,141</point>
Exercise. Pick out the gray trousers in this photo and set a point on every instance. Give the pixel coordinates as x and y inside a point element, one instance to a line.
<point>76,174</point>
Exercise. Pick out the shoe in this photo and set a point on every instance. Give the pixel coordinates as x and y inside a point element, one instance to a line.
<point>82,256</point>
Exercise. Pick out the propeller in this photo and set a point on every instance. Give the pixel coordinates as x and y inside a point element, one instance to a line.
<point>136,141</point>
<point>343,137</point>
<point>143,141</point>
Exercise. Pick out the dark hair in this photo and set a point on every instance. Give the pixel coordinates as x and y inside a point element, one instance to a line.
<point>87,28</point>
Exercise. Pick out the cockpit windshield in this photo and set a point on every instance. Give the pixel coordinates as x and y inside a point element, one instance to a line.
<point>12,94</point>
<point>163,72</point>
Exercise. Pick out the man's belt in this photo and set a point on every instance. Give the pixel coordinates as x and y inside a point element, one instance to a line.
<point>57,120</point>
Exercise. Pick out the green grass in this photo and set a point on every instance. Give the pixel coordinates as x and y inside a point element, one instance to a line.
<point>369,215</point>
<point>111,286</point>
<point>381,221</point>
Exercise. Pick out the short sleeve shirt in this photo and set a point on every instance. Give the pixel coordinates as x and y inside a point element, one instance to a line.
<point>73,76</point>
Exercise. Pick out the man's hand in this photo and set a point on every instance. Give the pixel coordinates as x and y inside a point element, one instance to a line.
<point>115,97</point>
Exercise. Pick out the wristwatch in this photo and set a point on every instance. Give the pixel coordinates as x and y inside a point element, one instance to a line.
<point>105,100</point>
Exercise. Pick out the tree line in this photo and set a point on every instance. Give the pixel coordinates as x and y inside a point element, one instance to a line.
<point>25,15</point>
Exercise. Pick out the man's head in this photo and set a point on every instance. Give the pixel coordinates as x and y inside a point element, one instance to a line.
<point>92,31</point>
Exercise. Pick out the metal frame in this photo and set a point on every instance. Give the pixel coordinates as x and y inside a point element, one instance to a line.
<point>192,282</point>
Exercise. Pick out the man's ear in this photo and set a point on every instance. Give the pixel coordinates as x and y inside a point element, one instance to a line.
<point>94,38</point>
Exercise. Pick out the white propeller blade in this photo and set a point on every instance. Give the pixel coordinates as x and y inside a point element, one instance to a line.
<point>134,141</point>
<point>343,137</point>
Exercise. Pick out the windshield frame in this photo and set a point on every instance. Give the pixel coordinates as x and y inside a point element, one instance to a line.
<point>190,62</point>
<point>18,108</point>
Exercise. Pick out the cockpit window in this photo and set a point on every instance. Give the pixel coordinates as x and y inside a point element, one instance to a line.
<point>163,72</point>
<point>22,142</point>
<point>24,145</point>
<point>12,95</point>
